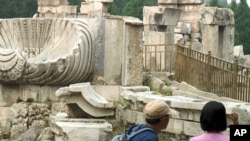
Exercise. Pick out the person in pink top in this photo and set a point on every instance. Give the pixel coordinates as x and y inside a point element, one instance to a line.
<point>213,122</point>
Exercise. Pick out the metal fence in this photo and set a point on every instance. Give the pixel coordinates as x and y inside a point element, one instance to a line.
<point>203,71</point>
<point>158,58</point>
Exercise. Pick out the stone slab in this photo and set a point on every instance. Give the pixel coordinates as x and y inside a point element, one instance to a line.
<point>52,2</point>
<point>160,16</point>
<point>84,129</point>
<point>99,1</point>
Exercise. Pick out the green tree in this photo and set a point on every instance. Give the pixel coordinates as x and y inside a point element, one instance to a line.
<point>77,3</point>
<point>217,3</point>
<point>233,5</point>
<point>31,7</point>
<point>135,7</point>
<point>116,7</point>
<point>17,8</point>
<point>242,24</point>
<point>214,3</point>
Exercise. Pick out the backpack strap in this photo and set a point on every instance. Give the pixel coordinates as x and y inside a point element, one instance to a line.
<point>118,137</point>
<point>128,137</point>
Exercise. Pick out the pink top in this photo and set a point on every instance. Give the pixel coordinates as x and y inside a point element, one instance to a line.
<point>210,137</point>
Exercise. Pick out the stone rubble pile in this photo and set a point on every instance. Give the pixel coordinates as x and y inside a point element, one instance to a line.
<point>28,120</point>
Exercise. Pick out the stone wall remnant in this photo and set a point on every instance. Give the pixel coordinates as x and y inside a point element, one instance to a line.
<point>56,9</point>
<point>130,110</point>
<point>218,32</point>
<point>123,51</point>
<point>93,8</point>
<point>204,28</point>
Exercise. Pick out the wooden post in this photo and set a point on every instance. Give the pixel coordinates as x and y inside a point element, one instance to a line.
<point>235,78</point>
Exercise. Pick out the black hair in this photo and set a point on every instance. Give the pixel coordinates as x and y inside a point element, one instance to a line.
<point>213,117</point>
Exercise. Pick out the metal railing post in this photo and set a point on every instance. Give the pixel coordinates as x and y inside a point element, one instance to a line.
<point>235,78</point>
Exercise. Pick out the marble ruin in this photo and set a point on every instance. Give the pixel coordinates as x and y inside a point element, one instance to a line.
<point>94,105</point>
<point>191,23</point>
<point>45,51</point>
<point>63,74</point>
<point>55,9</point>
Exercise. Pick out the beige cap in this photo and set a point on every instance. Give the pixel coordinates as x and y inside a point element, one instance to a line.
<point>156,109</point>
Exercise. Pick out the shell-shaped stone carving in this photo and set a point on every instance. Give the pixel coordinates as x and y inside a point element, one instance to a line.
<point>11,64</point>
<point>58,51</point>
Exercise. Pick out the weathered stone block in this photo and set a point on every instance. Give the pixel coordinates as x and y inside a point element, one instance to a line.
<point>86,98</point>
<point>160,15</point>
<point>110,92</point>
<point>180,2</point>
<point>238,50</point>
<point>87,129</point>
<point>177,30</point>
<point>130,116</point>
<point>52,2</point>
<point>9,94</point>
<point>6,112</point>
<point>126,50</point>
<point>66,9</point>
<point>153,37</point>
<point>218,16</point>
<point>167,1</point>
<point>46,9</point>
<point>175,126</point>
<point>5,126</point>
<point>190,16</point>
<point>195,35</point>
<point>99,1</point>
<point>86,7</point>
<point>30,92</point>
<point>192,128</point>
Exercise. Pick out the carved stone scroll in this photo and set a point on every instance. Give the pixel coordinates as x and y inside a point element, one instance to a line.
<point>58,51</point>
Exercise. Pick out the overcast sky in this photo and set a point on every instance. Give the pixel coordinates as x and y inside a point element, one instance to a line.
<point>248,1</point>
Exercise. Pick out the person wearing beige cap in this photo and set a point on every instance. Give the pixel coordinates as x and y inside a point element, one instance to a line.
<point>157,114</point>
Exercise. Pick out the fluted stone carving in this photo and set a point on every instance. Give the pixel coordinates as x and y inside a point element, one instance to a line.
<point>45,51</point>
<point>87,99</point>
<point>12,64</point>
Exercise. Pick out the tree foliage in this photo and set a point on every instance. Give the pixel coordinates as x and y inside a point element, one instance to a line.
<point>217,3</point>
<point>214,3</point>
<point>130,7</point>
<point>77,3</point>
<point>135,7</point>
<point>17,8</point>
<point>242,24</point>
<point>116,7</point>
